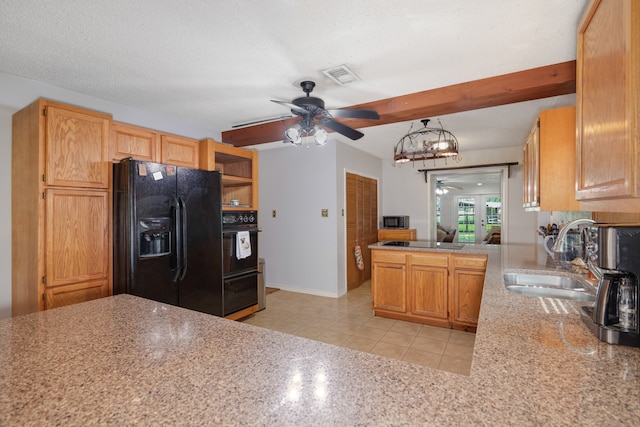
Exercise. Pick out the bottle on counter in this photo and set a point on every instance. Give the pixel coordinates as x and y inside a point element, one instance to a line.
<point>627,304</point>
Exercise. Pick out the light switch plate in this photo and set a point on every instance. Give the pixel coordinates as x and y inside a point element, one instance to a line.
<point>325,213</point>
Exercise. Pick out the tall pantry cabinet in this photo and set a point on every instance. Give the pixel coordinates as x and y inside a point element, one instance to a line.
<point>61,206</point>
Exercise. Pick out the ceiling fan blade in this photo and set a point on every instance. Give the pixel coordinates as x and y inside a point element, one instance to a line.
<point>354,114</point>
<point>291,106</point>
<point>340,128</point>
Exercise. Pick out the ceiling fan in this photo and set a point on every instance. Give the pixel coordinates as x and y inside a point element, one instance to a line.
<point>314,115</point>
<point>442,188</point>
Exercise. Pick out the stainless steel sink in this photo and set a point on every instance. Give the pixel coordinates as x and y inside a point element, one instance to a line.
<point>548,286</point>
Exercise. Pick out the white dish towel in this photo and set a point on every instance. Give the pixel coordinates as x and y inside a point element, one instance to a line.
<point>243,245</point>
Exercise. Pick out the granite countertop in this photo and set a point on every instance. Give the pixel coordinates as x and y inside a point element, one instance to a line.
<point>124,360</point>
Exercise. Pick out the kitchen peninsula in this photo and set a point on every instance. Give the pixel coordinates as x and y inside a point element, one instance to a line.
<point>427,282</point>
<point>124,360</point>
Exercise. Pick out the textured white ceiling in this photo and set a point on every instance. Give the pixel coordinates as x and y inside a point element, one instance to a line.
<point>218,63</point>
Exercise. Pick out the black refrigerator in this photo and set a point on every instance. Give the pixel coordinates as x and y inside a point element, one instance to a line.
<point>168,234</point>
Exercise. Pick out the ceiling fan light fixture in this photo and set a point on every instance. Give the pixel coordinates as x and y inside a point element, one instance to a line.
<point>314,118</point>
<point>294,134</point>
<point>320,135</point>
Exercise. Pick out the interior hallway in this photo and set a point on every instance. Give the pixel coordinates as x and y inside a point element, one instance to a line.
<point>349,322</point>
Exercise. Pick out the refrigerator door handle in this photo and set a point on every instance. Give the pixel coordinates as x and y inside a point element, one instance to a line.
<point>176,258</point>
<point>183,210</point>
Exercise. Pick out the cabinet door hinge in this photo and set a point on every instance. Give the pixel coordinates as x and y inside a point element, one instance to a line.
<point>44,111</point>
<point>42,297</point>
<point>44,281</point>
<point>44,195</point>
<point>44,178</point>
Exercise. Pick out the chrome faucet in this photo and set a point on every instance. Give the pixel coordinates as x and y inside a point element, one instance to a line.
<point>559,246</point>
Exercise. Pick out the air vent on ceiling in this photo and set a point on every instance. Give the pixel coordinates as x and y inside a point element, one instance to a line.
<point>341,74</point>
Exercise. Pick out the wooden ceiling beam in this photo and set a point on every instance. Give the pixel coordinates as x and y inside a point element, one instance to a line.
<point>536,83</point>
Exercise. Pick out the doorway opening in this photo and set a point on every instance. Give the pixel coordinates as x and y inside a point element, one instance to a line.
<point>477,215</point>
<point>469,201</point>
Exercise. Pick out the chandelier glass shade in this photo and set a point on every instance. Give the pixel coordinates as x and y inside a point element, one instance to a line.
<point>427,143</point>
<point>305,130</point>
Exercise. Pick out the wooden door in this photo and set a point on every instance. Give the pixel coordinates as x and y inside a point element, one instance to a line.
<point>389,287</point>
<point>365,237</point>
<point>608,103</point>
<point>180,151</point>
<point>77,148</point>
<point>361,225</point>
<point>467,295</point>
<point>353,274</point>
<point>77,236</point>
<point>373,224</point>
<point>428,292</point>
<point>136,142</point>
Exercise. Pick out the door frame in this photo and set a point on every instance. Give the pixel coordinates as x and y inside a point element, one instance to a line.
<point>432,178</point>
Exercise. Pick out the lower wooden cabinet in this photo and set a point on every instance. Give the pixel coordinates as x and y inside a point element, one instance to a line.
<point>60,296</point>
<point>466,290</point>
<point>428,294</point>
<point>434,288</point>
<point>396,234</point>
<point>390,277</point>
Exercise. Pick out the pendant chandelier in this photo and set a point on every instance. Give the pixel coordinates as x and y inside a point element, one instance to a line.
<point>427,143</point>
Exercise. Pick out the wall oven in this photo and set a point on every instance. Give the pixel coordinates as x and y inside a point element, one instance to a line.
<point>239,260</point>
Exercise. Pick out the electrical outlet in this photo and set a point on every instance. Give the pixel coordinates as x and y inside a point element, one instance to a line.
<point>273,213</point>
<point>325,213</point>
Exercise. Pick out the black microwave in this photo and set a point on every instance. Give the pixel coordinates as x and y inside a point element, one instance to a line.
<point>395,221</point>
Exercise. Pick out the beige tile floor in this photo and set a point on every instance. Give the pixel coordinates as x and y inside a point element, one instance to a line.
<point>349,322</point>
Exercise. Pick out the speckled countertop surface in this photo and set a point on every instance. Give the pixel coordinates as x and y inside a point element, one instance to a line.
<point>124,360</point>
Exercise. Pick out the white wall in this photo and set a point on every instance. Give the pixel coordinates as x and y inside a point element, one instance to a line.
<point>5,210</point>
<point>522,225</point>
<point>405,193</point>
<point>17,93</point>
<point>299,245</point>
<point>303,251</point>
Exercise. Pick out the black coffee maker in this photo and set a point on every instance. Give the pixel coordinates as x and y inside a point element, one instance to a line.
<point>615,259</point>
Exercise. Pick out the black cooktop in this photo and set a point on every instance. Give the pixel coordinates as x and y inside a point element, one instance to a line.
<point>426,244</point>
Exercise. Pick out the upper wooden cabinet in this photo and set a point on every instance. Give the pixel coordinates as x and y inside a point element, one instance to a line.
<point>60,206</point>
<point>77,147</point>
<point>179,151</point>
<point>608,107</point>
<point>135,142</point>
<point>549,162</point>
<point>239,169</point>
